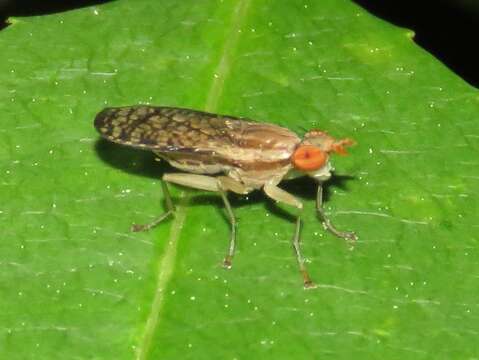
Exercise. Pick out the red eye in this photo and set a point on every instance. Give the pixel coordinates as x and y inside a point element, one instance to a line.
<point>309,158</point>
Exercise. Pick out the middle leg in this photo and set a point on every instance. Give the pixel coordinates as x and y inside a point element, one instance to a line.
<point>280,195</point>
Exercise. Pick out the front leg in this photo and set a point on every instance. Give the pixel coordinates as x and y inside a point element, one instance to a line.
<point>347,235</point>
<point>280,195</point>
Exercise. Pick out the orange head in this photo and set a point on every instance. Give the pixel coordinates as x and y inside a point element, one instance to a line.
<point>313,153</point>
<point>309,158</point>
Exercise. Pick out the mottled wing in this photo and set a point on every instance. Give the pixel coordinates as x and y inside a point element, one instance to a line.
<point>166,130</point>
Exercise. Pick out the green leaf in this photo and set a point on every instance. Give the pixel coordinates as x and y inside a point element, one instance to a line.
<point>76,283</point>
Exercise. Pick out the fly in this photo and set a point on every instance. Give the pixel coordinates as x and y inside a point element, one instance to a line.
<point>224,153</point>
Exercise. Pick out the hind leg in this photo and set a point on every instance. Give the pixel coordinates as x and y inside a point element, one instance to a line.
<point>220,184</point>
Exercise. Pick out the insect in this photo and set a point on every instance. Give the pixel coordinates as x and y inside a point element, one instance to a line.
<point>224,153</point>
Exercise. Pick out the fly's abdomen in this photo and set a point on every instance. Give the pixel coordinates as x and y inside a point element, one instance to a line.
<point>197,164</point>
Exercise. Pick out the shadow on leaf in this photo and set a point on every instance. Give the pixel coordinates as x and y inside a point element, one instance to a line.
<point>130,160</point>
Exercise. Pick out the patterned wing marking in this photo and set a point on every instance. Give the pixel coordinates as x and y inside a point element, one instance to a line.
<point>175,131</point>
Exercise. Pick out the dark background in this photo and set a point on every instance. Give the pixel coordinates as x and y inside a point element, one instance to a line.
<point>446,28</point>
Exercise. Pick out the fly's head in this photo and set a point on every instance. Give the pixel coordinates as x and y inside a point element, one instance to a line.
<point>312,154</point>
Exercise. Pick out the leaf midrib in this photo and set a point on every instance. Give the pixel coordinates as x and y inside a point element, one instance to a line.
<point>167,262</point>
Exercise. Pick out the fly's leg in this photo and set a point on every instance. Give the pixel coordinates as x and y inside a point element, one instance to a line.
<point>219,184</point>
<point>280,195</point>
<point>308,283</point>
<point>170,211</point>
<point>226,183</point>
<point>231,250</point>
<point>347,235</point>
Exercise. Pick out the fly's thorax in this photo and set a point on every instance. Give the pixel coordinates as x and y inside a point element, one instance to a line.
<point>257,178</point>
